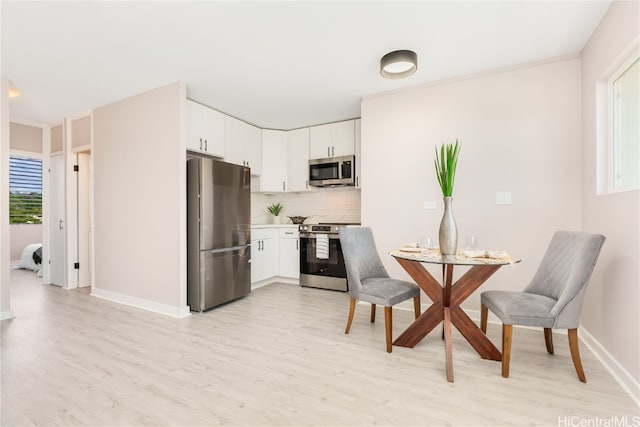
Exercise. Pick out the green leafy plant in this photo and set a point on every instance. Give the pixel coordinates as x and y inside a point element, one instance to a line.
<point>275,209</point>
<point>446,163</point>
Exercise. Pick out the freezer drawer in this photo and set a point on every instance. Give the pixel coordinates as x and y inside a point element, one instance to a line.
<point>225,275</point>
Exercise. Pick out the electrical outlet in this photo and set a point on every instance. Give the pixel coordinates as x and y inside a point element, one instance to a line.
<point>430,204</point>
<point>503,198</point>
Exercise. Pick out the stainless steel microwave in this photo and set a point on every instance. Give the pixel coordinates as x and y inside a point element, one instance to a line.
<point>332,171</point>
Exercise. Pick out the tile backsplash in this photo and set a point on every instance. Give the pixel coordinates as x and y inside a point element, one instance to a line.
<point>322,205</point>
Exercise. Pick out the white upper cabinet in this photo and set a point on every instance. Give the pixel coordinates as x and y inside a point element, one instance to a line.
<point>244,145</point>
<point>206,129</point>
<point>298,160</point>
<point>332,140</point>
<point>275,161</point>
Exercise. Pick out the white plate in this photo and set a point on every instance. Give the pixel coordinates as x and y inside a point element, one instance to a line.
<point>497,254</point>
<point>474,253</point>
<point>409,249</point>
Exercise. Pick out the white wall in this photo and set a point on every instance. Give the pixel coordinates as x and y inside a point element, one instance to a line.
<point>323,205</point>
<point>520,132</point>
<point>5,252</point>
<point>612,306</point>
<point>23,235</point>
<point>139,157</point>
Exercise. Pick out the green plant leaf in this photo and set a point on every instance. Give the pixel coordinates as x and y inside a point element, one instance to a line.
<point>446,162</point>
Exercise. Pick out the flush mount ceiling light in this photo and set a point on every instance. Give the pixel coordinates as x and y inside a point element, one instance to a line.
<point>398,64</point>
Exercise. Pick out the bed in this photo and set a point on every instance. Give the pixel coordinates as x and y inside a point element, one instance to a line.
<point>31,258</point>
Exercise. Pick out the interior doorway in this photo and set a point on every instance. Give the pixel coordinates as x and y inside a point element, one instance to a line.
<point>57,223</point>
<point>84,218</point>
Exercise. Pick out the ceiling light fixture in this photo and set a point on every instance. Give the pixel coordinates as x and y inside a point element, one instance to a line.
<point>13,91</point>
<point>398,64</point>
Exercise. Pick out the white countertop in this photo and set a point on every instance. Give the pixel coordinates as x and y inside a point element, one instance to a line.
<point>275,226</point>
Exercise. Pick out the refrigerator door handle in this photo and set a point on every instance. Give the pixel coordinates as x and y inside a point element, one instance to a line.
<point>229,249</point>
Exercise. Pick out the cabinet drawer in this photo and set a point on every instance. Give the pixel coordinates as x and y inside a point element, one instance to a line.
<point>264,233</point>
<point>289,233</point>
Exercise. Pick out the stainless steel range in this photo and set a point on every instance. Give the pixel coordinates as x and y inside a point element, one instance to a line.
<point>321,261</point>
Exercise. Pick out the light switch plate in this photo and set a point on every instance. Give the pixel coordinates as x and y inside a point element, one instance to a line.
<point>503,198</point>
<point>430,204</point>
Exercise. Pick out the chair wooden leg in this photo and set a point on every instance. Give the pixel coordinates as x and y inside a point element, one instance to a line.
<point>507,331</point>
<point>352,309</point>
<point>575,354</point>
<point>484,313</point>
<point>387,327</point>
<point>548,340</point>
<point>373,313</point>
<point>416,306</point>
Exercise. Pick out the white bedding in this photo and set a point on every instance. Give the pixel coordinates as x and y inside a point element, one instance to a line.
<point>26,259</point>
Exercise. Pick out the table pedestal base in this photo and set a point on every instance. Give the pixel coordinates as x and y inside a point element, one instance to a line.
<point>446,308</point>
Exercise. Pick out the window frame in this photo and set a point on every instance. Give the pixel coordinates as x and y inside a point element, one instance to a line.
<point>34,156</point>
<point>611,99</point>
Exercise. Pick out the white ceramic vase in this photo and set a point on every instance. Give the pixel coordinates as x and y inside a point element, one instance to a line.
<point>448,235</point>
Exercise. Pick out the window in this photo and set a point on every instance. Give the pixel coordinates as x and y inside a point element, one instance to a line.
<point>625,128</point>
<point>25,190</point>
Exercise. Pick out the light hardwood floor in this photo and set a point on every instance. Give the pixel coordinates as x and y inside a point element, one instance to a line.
<point>276,357</point>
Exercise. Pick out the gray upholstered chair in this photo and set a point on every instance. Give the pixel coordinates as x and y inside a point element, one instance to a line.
<point>553,299</point>
<point>369,281</point>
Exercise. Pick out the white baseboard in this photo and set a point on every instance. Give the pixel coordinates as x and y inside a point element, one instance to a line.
<point>276,279</point>
<point>156,307</point>
<point>617,371</point>
<point>7,314</point>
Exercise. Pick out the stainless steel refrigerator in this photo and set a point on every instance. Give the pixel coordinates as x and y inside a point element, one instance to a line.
<point>218,232</point>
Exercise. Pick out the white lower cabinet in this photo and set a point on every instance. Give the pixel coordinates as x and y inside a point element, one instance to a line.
<point>275,253</point>
<point>264,254</point>
<point>289,257</point>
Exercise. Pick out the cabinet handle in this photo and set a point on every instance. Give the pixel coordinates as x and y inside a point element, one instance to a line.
<point>201,143</point>
<point>333,151</point>
<point>306,184</point>
<point>206,145</point>
<point>357,181</point>
<point>328,151</point>
<point>60,224</point>
<point>282,185</point>
<point>297,244</point>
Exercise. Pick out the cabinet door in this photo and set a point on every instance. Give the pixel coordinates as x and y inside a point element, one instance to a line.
<point>275,155</point>
<point>243,144</point>
<point>332,140</point>
<point>299,160</point>
<point>213,132</point>
<point>342,138</point>
<point>194,126</point>
<point>258,262</point>
<point>358,151</point>
<point>253,149</point>
<point>320,141</point>
<point>289,258</point>
<point>270,253</point>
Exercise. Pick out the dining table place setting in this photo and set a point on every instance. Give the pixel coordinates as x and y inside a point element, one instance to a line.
<point>472,255</point>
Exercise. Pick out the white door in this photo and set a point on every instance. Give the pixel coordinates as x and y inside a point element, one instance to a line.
<point>84,221</point>
<point>57,221</point>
